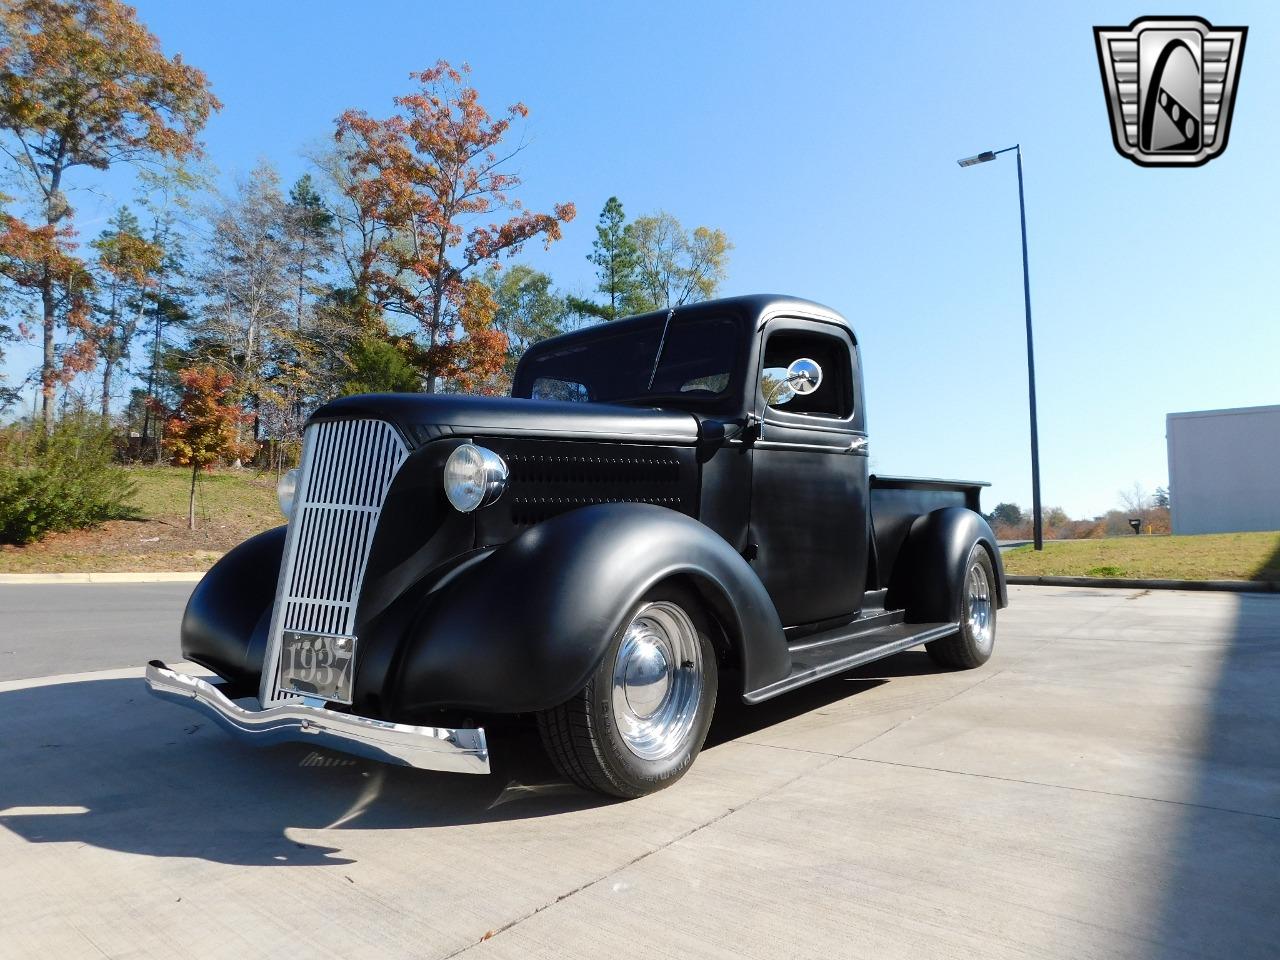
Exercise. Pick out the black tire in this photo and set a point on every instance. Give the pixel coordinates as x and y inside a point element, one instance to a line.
<point>583,736</point>
<point>971,646</point>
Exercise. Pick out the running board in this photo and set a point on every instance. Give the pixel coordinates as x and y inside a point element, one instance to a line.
<point>815,661</point>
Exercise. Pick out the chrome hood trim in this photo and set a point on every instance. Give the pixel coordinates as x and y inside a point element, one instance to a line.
<point>425,748</point>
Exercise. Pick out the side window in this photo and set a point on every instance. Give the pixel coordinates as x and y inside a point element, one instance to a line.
<point>834,396</point>
<point>551,388</point>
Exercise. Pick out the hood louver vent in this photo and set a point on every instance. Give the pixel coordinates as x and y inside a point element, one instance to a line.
<point>545,485</point>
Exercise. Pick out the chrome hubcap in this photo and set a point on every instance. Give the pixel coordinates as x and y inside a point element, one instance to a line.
<point>978,609</point>
<point>657,681</point>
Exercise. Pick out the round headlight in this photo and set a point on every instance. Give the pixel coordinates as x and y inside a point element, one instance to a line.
<point>474,477</point>
<point>286,489</point>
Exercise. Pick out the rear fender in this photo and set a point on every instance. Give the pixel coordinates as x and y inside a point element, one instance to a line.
<point>522,629</point>
<point>930,567</point>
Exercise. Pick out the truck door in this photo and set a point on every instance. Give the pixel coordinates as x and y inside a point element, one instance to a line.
<point>809,476</point>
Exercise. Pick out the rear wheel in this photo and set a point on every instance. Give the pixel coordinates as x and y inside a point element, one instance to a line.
<point>971,645</point>
<point>640,721</point>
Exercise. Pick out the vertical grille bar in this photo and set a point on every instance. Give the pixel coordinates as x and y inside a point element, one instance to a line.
<point>347,469</point>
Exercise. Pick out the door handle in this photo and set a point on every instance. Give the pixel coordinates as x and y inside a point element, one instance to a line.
<point>858,445</point>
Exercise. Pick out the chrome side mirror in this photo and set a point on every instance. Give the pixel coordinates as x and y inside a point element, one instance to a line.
<point>802,377</point>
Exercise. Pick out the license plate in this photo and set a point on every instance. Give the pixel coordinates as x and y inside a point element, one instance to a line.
<point>315,665</point>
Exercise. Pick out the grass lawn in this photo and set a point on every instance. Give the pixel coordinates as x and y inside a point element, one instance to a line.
<point>1217,556</point>
<point>231,506</point>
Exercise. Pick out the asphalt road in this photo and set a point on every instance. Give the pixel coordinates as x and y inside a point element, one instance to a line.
<point>53,628</point>
<point>1108,786</point>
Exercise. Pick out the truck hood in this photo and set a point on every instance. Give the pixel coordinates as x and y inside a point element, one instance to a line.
<point>421,418</point>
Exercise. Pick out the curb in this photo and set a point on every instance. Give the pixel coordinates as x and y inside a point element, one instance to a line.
<point>1232,586</point>
<point>192,576</point>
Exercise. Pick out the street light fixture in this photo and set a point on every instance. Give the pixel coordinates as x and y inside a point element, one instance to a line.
<point>1031,357</point>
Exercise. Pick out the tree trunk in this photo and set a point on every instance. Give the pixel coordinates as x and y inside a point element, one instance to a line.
<point>48,372</point>
<point>296,426</point>
<point>151,376</point>
<point>106,388</point>
<point>191,503</point>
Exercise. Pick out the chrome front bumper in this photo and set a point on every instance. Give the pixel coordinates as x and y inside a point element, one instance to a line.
<point>426,748</point>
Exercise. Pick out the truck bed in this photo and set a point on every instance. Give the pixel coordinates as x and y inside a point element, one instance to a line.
<point>897,501</point>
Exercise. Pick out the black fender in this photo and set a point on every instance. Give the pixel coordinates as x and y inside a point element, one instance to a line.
<point>522,629</point>
<point>225,624</point>
<point>930,567</point>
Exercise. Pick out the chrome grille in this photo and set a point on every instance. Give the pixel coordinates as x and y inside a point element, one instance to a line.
<point>347,469</point>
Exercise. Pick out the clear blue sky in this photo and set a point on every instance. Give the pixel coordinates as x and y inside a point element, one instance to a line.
<point>823,138</point>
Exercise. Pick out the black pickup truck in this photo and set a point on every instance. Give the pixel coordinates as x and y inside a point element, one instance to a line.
<point>665,504</point>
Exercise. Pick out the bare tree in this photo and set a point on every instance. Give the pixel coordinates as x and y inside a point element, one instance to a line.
<point>1136,500</point>
<point>678,266</point>
<point>248,288</point>
<point>357,235</point>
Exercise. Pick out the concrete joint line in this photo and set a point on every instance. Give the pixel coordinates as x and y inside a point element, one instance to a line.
<point>1060,786</point>
<point>935,706</point>
<point>832,758</point>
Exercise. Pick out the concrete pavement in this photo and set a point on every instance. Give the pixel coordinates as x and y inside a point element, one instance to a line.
<point>1108,786</point>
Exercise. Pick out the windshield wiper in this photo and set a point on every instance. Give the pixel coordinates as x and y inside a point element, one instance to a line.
<point>662,344</point>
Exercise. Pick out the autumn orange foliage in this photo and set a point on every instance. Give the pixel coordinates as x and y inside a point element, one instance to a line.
<point>83,84</point>
<point>203,430</point>
<point>430,176</point>
<point>30,258</point>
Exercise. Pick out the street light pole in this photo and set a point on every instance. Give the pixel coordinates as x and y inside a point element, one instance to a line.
<point>1037,516</point>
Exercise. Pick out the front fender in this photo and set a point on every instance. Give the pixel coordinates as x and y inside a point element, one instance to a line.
<point>225,624</point>
<point>522,629</point>
<point>930,567</point>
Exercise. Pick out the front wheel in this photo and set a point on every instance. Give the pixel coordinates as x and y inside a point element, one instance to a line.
<point>643,715</point>
<point>971,645</point>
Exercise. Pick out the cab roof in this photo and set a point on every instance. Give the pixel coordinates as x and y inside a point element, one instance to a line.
<point>758,306</point>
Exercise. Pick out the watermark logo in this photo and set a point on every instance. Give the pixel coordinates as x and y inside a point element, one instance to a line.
<point>1170,84</point>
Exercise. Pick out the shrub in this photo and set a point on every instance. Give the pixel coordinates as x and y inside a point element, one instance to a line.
<point>62,482</point>
<point>1107,571</point>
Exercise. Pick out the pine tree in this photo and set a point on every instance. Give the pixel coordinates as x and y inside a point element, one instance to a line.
<point>617,263</point>
<point>126,265</point>
<point>309,235</point>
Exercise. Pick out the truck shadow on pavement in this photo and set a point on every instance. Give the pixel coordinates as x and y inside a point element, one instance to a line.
<point>1218,877</point>
<point>100,762</point>
<point>734,719</point>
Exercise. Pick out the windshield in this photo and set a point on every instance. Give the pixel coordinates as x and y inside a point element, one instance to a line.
<point>697,362</point>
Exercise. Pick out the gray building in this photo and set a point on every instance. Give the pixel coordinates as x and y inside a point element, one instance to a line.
<point>1224,469</point>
